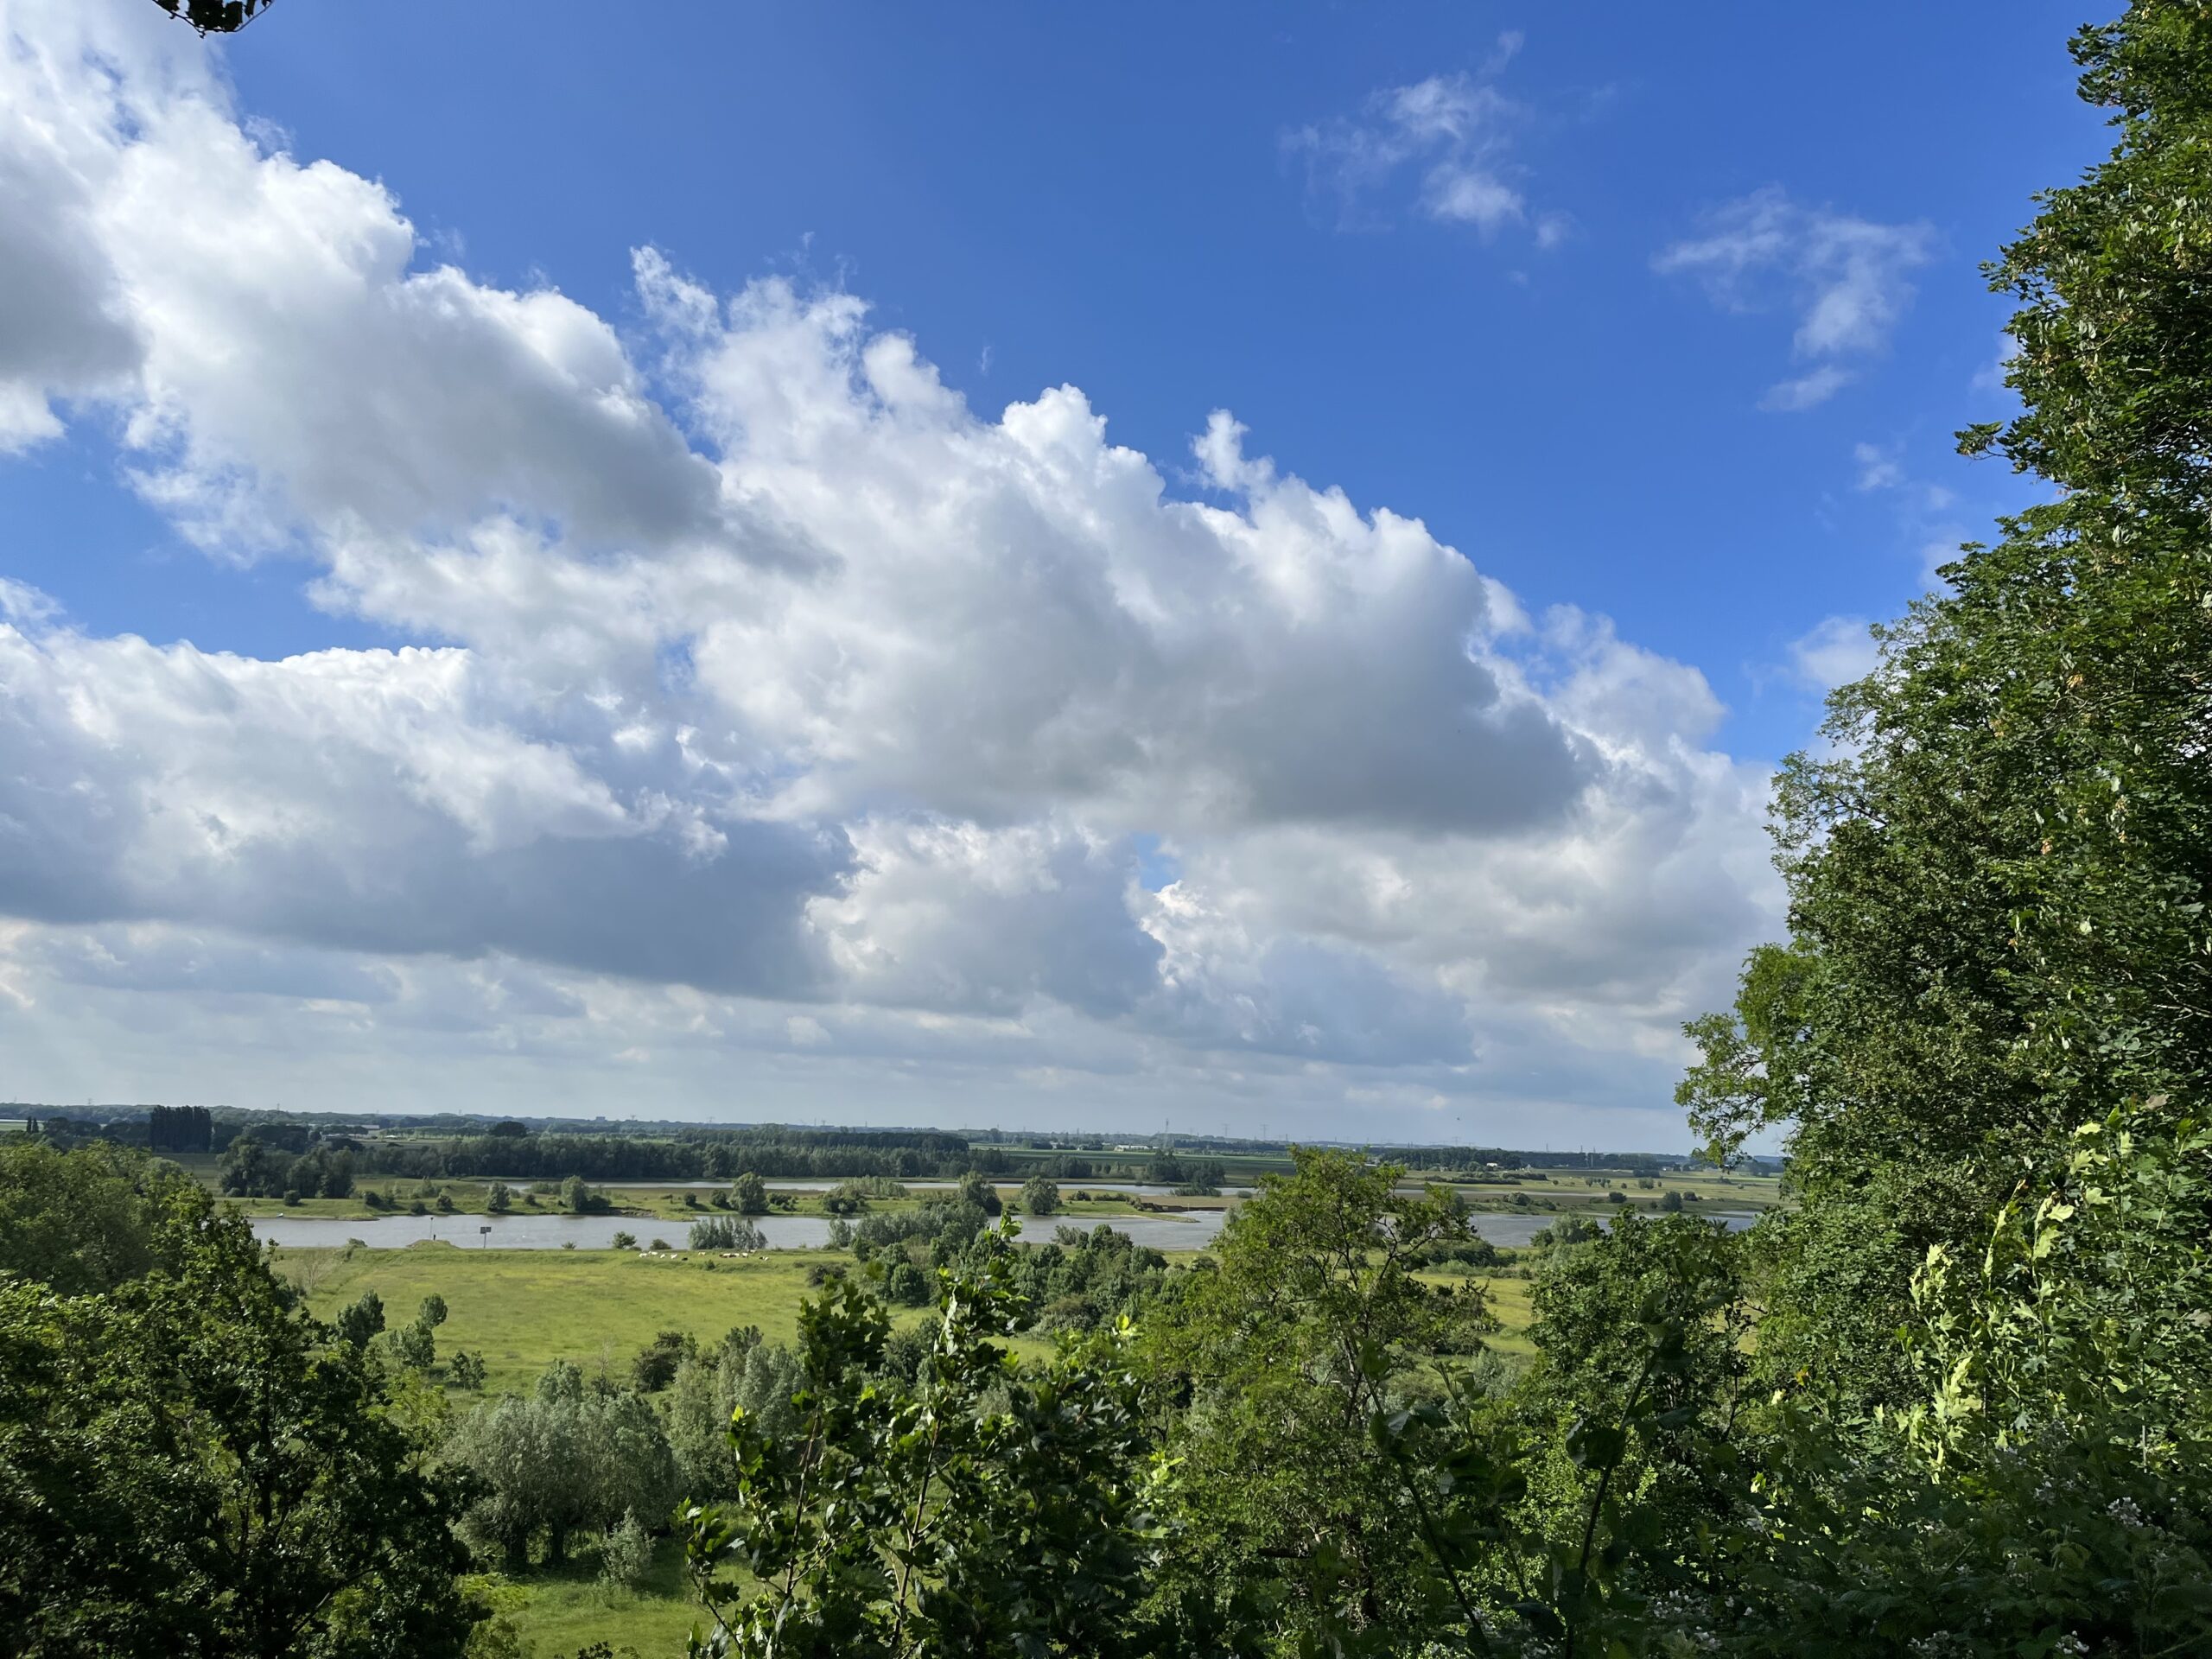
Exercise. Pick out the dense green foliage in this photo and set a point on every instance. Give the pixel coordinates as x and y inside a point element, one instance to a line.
<point>981,1508</point>
<point>83,1220</point>
<point>573,1456</point>
<point>1999,876</point>
<point>725,1233</point>
<point>189,1464</point>
<point>696,1154</point>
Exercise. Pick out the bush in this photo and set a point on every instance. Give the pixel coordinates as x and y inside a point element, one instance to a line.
<point>580,1200</point>
<point>626,1554</point>
<point>658,1244</point>
<point>625,1241</point>
<point>361,1320</point>
<point>908,1286</point>
<point>466,1371</point>
<point>975,1189</point>
<point>726,1233</point>
<point>657,1362</point>
<point>414,1346</point>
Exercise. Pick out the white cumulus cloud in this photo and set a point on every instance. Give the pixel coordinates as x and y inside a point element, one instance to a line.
<point>774,714</point>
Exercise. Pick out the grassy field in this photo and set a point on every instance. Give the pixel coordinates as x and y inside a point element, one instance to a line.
<point>1568,1193</point>
<point>558,1613</point>
<point>523,1309</point>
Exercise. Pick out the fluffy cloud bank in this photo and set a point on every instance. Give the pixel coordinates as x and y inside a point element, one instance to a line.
<point>774,724</point>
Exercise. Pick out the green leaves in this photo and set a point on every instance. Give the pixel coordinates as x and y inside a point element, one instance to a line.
<point>983,1508</point>
<point>190,1464</point>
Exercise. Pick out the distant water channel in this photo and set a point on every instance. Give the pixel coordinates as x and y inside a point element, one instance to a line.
<point>1194,1232</point>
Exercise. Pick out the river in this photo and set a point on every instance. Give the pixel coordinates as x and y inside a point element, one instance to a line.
<point>1195,1231</point>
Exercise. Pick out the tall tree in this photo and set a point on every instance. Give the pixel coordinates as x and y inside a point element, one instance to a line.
<point>190,1464</point>
<point>1999,872</point>
<point>1315,1323</point>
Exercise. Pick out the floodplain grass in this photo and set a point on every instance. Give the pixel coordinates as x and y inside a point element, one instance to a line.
<point>557,1612</point>
<point>1574,1192</point>
<point>521,1310</point>
<point>1509,1301</point>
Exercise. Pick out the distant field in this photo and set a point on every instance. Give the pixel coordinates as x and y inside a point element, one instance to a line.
<point>1564,1192</point>
<point>523,1309</point>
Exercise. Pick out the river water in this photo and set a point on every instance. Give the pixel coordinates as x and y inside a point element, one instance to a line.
<point>1193,1232</point>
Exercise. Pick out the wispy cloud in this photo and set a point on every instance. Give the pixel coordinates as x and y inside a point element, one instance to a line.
<point>1837,650</point>
<point>1449,135</point>
<point>1846,277</point>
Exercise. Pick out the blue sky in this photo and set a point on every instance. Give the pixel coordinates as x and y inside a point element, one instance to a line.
<point>1663,315</point>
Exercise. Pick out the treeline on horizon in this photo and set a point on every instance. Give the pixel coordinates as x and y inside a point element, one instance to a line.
<point>411,1145</point>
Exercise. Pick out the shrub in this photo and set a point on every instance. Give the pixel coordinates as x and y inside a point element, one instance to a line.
<point>626,1554</point>
<point>726,1233</point>
<point>655,1365</point>
<point>413,1346</point>
<point>974,1188</point>
<point>908,1286</point>
<point>625,1241</point>
<point>361,1320</point>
